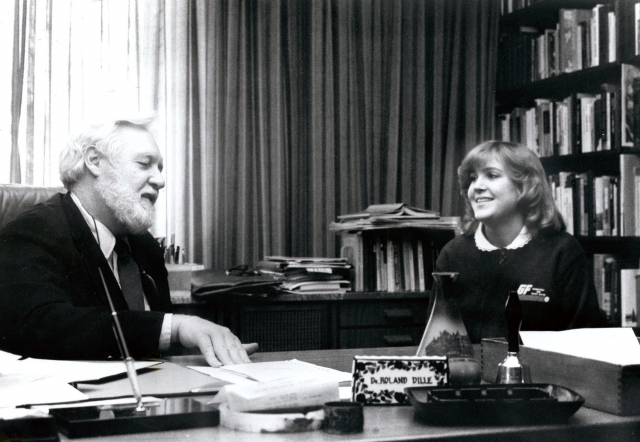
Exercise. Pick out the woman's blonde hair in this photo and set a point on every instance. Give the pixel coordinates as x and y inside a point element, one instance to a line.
<point>523,167</point>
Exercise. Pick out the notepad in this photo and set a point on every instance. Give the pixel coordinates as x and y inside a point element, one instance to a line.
<point>273,370</point>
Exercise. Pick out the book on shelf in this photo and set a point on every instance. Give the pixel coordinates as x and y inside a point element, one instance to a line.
<point>570,21</point>
<point>316,286</point>
<point>581,122</point>
<point>629,297</point>
<point>629,72</point>
<point>617,289</point>
<point>636,28</point>
<point>628,196</point>
<point>590,205</point>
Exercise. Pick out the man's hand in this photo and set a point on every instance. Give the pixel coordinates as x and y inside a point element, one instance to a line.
<point>218,345</point>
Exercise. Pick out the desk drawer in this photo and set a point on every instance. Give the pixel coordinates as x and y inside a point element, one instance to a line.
<point>380,337</point>
<point>381,313</point>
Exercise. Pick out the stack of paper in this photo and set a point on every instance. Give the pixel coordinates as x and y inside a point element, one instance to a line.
<point>308,275</point>
<point>42,381</point>
<point>393,215</point>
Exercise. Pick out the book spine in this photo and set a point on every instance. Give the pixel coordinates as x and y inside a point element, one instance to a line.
<point>636,112</point>
<point>595,36</point>
<point>598,190</point>
<point>422,286</point>
<point>628,163</point>
<point>628,306</point>
<point>629,72</point>
<point>391,267</point>
<point>612,37</point>
<point>636,195</point>
<point>607,301</point>
<point>636,28</point>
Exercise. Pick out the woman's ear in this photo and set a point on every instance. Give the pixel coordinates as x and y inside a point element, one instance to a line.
<point>92,160</point>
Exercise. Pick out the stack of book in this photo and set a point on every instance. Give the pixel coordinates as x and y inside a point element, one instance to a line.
<point>581,39</point>
<point>392,216</point>
<point>617,285</point>
<point>608,119</point>
<point>308,275</point>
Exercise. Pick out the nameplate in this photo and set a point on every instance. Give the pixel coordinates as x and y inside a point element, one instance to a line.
<point>381,380</point>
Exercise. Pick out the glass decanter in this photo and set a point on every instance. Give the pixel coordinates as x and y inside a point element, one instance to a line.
<point>446,335</point>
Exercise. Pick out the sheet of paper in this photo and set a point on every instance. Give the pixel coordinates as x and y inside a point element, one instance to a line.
<point>218,373</point>
<point>272,371</point>
<point>613,345</point>
<point>7,358</point>
<point>41,391</point>
<point>71,371</point>
<point>118,401</point>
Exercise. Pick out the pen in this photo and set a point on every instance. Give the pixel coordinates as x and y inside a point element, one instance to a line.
<point>128,360</point>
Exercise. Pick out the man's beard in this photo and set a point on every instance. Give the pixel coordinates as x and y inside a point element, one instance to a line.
<point>132,211</point>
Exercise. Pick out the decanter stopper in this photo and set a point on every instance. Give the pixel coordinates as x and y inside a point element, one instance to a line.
<point>511,370</point>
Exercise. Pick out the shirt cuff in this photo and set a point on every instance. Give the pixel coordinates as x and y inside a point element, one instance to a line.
<point>165,333</point>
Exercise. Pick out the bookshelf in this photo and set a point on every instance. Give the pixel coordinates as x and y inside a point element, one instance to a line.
<point>393,259</point>
<point>565,88</point>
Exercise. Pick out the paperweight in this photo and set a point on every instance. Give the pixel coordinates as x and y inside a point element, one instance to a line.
<point>166,414</point>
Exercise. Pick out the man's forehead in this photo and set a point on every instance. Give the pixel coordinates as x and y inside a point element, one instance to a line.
<point>139,142</point>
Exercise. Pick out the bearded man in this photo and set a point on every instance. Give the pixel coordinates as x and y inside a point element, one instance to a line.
<point>52,300</point>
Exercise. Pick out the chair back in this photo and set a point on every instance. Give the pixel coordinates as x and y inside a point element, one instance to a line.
<point>16,198</point>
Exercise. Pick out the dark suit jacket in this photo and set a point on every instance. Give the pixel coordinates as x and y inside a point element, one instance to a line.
<point>52,301</point>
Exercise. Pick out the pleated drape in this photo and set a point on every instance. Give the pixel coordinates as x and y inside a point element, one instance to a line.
<point>274,116</point>
<point>322,107</point>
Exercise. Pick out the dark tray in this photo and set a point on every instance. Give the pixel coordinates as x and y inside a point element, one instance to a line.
<point>173,413</point>
<point>494,404</point>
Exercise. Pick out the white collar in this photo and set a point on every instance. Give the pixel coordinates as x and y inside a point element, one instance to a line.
<point>483,243</point>
<point>101,233</point>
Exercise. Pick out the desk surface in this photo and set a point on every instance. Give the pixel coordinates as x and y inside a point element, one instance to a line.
<point>396,422</point>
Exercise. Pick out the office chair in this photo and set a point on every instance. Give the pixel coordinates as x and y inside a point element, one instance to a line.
<point>16,198</point>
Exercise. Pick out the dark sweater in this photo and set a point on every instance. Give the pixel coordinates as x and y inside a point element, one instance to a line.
<point>550,273</point>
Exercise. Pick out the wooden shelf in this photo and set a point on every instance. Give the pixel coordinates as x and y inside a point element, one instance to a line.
<point>560,86</point>
<point>542,14</point>
<point>603,162</point>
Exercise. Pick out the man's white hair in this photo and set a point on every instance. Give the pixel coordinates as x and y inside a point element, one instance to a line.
<point>105,137</point>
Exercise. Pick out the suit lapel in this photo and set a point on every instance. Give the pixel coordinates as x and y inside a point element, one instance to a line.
<point>91,255</point>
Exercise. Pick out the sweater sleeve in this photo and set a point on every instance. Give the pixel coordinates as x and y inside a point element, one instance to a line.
<point>580,301</point>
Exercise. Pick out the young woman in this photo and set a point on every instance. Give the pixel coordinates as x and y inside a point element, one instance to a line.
<point>514,239</point>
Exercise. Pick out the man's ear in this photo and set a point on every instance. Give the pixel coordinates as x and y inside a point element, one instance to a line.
<point>92,160</point>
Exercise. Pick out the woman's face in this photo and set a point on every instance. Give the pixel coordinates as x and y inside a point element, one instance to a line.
<point>493,195</point>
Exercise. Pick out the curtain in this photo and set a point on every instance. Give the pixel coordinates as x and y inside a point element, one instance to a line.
<point>274,116</point>
<point>316,108</point>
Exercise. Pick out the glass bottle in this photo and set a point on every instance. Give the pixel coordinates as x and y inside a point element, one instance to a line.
<point>446,335</point>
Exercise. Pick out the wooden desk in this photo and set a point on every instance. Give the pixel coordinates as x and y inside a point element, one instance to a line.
<point>395,423</point>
